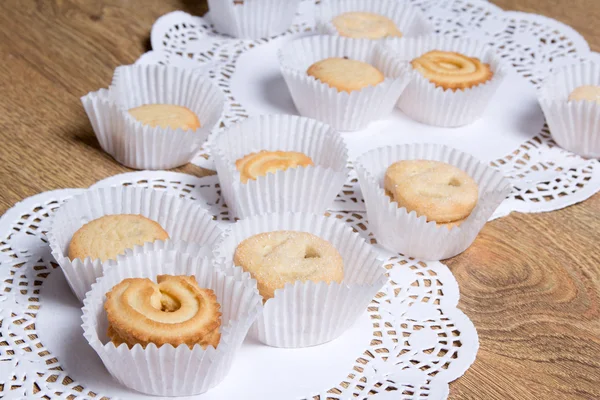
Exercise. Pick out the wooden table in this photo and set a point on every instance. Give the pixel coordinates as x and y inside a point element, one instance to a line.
<point>530,283</point>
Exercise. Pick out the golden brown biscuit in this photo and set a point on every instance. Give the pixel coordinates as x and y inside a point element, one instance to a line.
<point>280,257</point>
<point>109,236</point>
<point>440,191</point>
<point>365,25</point>
<point>451,70</point>
<point>586,93</point>
<point>166,116</point>
<point>258,164</point>
<point>345,75</point>
<point>172,311</point>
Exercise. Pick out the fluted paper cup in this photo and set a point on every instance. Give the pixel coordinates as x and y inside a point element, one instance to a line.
<point>574,125</point>
<point>168,370</point>
<point>405,232</point>
<point>409,20</point>
<point>307,313</point>
<point>183,219</point>
<point>309,189</point>
<point>343,111</point>
<point>426,103</point>
<point>140,146</point>
<point>252,19</point>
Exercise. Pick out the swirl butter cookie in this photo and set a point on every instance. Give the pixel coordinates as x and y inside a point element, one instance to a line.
<point>439,191</point>
<point>106,237</point>
<point>365,25</point>
<point>166,116</point>
<point>258,164</point>
<point>451,70</point>
<point>586,93</point>
<point>174,311</point>
<point>345,75</point>
<point>280,257</point>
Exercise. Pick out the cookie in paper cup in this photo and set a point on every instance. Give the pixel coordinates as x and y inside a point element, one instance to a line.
<point>182,219</point>
<point>405,232</point>
<point>342,110</point>
<point>407,18</point>
<point>252,19</point>
<point>426,103</point>
<point>169,370</point>
<point>311,189</point>
<point>307,313</point>
<point>574,125</point>
<point>140,146</point>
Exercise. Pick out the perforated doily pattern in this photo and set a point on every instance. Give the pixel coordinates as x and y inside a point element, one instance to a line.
<point>533,44</point>
<point>420,340</point>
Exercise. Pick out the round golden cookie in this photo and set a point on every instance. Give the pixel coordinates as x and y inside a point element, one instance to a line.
<point>586,93</point>
<point>345,75</point>
<point>280,257</point>
<point>258,164</point>
<point>174,311</point>
<point>451,70</point>
<point>111,235</point>
<point>166,116</point>
<point>365,25</point>
<point>440,191</point>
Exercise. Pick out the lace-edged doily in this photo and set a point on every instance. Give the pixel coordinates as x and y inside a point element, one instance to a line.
<point>544,176</point>
<point>420,341</point>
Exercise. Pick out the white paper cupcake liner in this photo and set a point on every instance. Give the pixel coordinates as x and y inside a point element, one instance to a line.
<point>400,231</point>
<point>254,19</point>
<point>168,370</point>
<point>343,111</point>
<point>183,219</point>
<point>409,20</point>
<point>309,189</point>
<point>431,105</point>
<point>140,146</point>
<point>307,313</point>
<point>574,125</point>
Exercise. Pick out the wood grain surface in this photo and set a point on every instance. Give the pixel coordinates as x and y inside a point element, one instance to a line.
<point>530,283</point>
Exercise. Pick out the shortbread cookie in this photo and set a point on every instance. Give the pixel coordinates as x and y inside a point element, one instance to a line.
<point>439,191</point>
<point>109,236</point>
<point>174,311</point>
<point>451,70</point>
<point>258,164</point>
<point>280,257</point>
<point>345,75</point>
<point>586,93</point>
<point>365,25</point>
<point>166,116</point>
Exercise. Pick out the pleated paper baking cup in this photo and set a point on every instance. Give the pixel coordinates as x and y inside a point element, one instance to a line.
<point>252,19</point>
<point>168,370</point>
<point>431,105</point>
<point>307,313</point>
<point>343,111</point>
<point>141,146</point>
<point>408,19</point>
<point>183,219</point>
<point>405,232</point>
<point>309,189</point>
<point>574,125</point>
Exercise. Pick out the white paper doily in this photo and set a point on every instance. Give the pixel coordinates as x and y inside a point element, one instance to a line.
<point>412,340</point>
<point>544,176</point>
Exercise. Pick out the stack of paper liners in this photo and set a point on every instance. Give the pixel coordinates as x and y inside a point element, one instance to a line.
<point>307,313</point>
<point>183,219</point>
<point>168,370</point>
